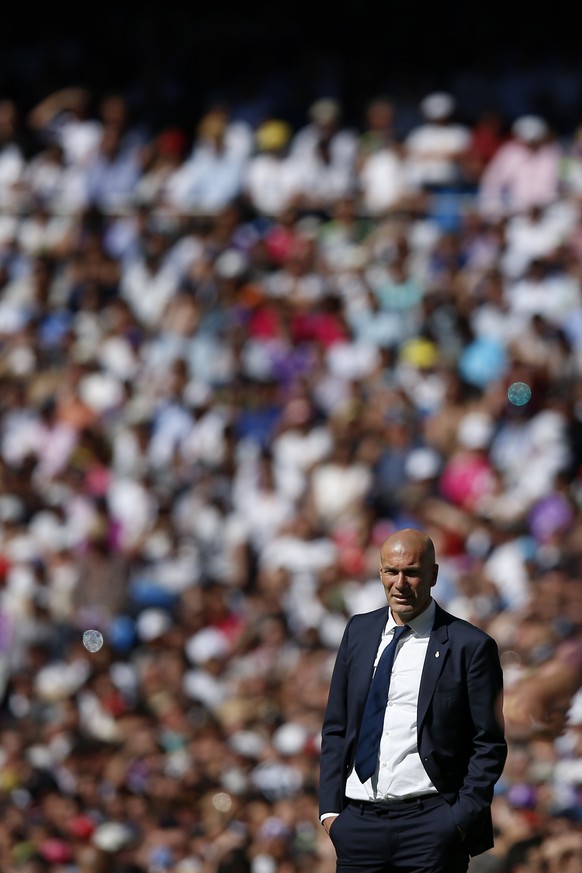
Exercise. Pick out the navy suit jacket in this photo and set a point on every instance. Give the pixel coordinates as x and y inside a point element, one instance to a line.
<point>460,731</point>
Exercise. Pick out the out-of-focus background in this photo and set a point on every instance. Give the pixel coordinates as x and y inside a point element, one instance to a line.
<point>268,277</point>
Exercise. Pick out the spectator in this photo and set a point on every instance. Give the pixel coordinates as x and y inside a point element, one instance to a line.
<point>212,176</point>
<point>163,158</point>
<point>379,129</point>
<point>339,486</point>
<point>524,172</point>
<point>272,182</point>
<point>65,117</point>
<point>13,155</point>
<point>50,179</point>
<point>325,154</point>
<point>149,282</point>
<point>488,134</point>
<point>113,173</point>
<point>434,150</point>
<point>379,161</point>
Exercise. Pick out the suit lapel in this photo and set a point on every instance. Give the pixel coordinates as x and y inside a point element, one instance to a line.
<point>436,656</point>
<point>369,650</point>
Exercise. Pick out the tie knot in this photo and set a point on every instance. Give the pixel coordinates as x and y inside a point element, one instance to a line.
<point>399,632</point>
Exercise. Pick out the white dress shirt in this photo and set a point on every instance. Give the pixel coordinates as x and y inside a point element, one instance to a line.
<point>400,772</point>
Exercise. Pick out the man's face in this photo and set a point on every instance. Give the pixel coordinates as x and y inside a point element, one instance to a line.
<point>407,572</point>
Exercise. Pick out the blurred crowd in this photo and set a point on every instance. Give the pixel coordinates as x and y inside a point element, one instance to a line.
<point>232,360</point>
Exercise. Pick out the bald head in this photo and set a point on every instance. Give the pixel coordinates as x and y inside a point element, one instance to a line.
<point>408,538</point>
<point>408,571</point>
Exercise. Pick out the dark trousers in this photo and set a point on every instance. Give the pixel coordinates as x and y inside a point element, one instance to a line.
<point>404,836</point>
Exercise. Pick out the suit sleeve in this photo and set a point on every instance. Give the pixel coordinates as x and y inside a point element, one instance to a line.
<point>334,734</point>
<point>489,749</point>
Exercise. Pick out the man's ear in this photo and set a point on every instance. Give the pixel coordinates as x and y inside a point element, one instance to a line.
<point>435,575</point>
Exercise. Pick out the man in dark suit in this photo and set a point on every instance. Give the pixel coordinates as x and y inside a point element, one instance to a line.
<point>409,761</point>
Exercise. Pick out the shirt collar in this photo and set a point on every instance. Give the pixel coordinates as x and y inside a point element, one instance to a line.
<point>421,625</point>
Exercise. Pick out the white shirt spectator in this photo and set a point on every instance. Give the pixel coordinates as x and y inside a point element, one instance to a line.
<point>555,297</point>
<point>322,179</point>
<point>338,487</point>
<point>63,117</point>
<point>12,165</point>
<point>299,555</point>
<point>296,282</point>
<point>25,432</point>
<point>324,124</point>
<point>381,181</point>
<point>205,442</point>
<point>506,567</point>
<point>530,236</point>
<point>429,154</point>
<point>352,360</point>
<point>432,148</point>
<point>148,289</point>
<point>528,454</point>
<point>47,176</point>
<point>133,505</point>
<point>44,231</point>
<point>326,154</point>
<point>80,139</point>
<point>296,450</point>
<point>272,182</point>
<point>263,509</point>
